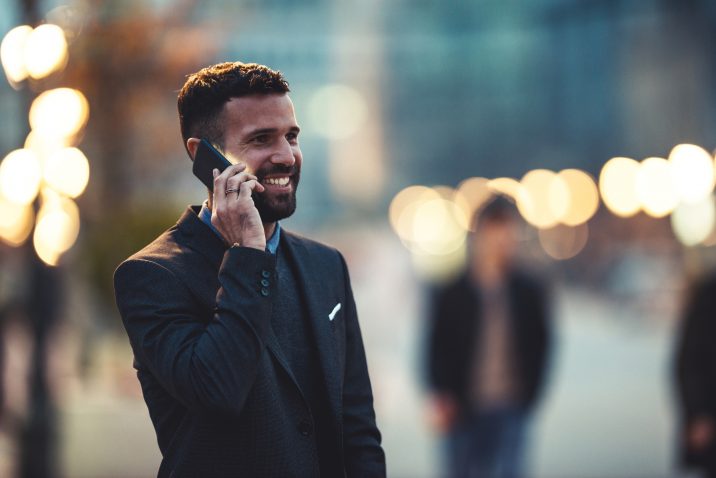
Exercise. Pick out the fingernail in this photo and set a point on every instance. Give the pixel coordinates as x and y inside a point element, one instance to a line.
<point>215,172</point>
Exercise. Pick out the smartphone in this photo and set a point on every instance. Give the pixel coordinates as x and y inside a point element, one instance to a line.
<point>207,159</point>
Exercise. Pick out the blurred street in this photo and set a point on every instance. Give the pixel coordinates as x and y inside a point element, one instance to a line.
<point>607,411</point>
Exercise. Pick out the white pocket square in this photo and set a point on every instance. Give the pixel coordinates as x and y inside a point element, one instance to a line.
<point>335,310</point>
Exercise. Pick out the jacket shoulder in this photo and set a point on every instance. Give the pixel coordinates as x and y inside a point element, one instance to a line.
<point>163,250</point>
<point>312,246</point>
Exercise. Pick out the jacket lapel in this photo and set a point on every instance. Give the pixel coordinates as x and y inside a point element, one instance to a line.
<point>199,237</point>
<point>210,250</point>
<point>310,287</point>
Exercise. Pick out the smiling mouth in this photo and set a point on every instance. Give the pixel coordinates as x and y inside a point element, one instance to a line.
<point>281,182</point>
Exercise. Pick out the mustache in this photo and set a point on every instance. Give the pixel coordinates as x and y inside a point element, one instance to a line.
<point>278,169</point>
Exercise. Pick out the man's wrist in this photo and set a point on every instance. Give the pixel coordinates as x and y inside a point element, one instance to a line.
<point>252,246</point>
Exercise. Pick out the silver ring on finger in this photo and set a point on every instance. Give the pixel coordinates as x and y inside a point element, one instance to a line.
<point>232,190</point>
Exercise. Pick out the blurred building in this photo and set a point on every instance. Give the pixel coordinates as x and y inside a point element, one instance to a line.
<point>496,88</point>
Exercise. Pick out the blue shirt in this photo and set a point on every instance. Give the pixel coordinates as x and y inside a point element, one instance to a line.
<point>271,244</point>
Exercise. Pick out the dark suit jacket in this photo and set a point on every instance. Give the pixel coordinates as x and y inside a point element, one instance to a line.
<point>455,325</point>
<point>220,394</point>
<point>696,367</point>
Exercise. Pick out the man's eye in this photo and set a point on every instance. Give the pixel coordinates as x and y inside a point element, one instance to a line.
<point>263,138</point>
<point>292,136</point>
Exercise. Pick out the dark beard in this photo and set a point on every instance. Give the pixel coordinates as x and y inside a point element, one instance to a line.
<point>275,208</point>
<point>272,209</point>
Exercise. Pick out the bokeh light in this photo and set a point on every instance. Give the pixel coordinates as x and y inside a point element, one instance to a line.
<point>464,213</point>
<point>12,53</point>
<point>16,222</point>
<point>44,146</point>
<point>438,227</point>
<point>693,223</point>
<point>20,176</point>
<point>655,187</point>
<point>542,190</point>
<point>475,192</point>
<point>402,205</point>
<point>438,267</point>
<point>432,224</point>
<point>617,185</point>
<point>693,172</point>
<point>337,111</point>
<point>506,186</point>
<point>59,113</point>
<point>67,171</point>
<point>563,242</point>
<point>58,225</point>
<point>45,51</point>
<point>583,198</point>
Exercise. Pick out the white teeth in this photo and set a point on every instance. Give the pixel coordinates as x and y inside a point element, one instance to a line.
<point>277,181</point>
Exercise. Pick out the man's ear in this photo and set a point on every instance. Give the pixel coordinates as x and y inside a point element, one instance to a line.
<point>192,144</point>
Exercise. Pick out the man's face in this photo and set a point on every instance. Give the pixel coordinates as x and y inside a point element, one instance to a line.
<point>261,131</point>
<point>497,239</point>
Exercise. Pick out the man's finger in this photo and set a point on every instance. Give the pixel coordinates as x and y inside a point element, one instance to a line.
<point>230,171</point>
<point>235,181</point>
<point>219,193</point>
<point>247,187</point>
<point>234,169</point>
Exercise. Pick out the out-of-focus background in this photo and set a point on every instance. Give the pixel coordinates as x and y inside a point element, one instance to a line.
<point>412,113</point>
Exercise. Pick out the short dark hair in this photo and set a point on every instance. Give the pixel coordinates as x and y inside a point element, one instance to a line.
<point>205,92</point>
<point>497,210</point>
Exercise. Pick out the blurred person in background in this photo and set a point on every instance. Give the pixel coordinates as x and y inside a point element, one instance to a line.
<point>696,379</point>
<point>245,336</point>
<point>488,348</point>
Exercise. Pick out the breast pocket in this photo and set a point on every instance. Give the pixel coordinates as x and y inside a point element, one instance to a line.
<point>337,325</point>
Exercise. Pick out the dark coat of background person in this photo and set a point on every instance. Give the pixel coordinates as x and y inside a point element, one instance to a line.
<point>696,370</point>
<point>220,394</point>
<point>456,318</point>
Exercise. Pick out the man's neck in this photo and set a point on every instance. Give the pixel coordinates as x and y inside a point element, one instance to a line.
<point>269,228</point>
<point>488,271</point>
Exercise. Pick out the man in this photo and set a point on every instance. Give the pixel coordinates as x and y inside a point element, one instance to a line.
<point>245,336</point>
<point>696,379</point>
<point>487,352</point>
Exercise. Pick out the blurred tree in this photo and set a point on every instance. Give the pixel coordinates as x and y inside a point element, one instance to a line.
<point>130,60</point>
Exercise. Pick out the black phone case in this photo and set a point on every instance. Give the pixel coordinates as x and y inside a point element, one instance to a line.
<point>206,160</point>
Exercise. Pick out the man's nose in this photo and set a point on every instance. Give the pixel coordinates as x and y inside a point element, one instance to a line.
<point>284,154</point>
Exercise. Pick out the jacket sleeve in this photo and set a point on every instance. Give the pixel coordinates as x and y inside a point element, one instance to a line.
<point>538,344</point>
<point>208,367</point>
<point>363,454</point>
<point>440,373</point>
<point>696,356</point>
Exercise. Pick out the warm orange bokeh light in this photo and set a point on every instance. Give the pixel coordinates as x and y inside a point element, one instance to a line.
<point>655,187</point>
<point>617,184</point>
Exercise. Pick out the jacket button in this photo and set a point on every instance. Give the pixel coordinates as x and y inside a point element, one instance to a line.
<point>265,283</point>
<point>264,292</point>
<point>305,428</point>
<point>265,274</point>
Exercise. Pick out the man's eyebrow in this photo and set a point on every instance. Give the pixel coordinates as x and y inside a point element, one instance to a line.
<point>260,131</point>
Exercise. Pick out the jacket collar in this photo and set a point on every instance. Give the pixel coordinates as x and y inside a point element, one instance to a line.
<point>199,237</point>
<point>311,279</point>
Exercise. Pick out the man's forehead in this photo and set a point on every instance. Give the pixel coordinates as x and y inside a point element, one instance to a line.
<point>269,104</point>
<point>247,113</point>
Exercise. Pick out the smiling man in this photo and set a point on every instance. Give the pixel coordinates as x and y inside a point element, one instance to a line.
<point>245,336</point>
